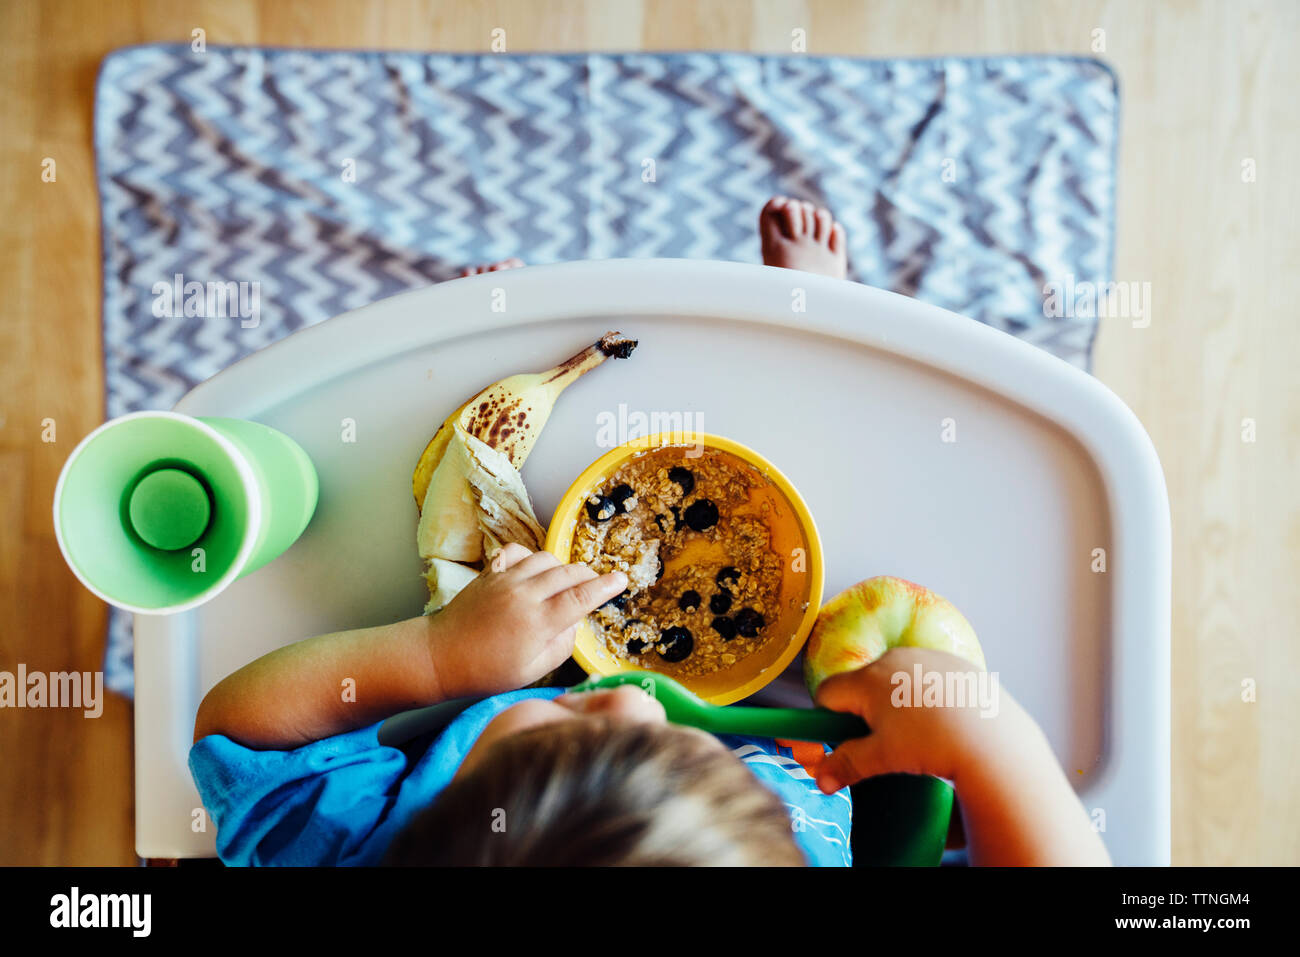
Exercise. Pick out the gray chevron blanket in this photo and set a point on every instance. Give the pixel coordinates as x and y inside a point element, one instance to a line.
<point>293,185</point>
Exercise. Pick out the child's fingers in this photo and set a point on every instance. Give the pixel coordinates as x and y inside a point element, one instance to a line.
<point>554,651</point>
<point>534,563</point>
<point>509,556</point>
<point>845,691</point>
<point>850,763</point>
<point>561,646</point>
<point>555,580</point>
<point>577,601</point>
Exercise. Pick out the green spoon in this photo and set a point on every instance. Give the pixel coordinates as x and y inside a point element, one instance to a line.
<point>683,707</point>
<point>912,812</point>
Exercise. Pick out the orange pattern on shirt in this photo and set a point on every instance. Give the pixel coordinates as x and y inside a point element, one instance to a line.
<point>808,754</point>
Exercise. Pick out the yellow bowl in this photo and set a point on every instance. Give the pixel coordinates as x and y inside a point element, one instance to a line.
<point>796,621</point>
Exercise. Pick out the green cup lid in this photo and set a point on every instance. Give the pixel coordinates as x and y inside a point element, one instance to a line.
<point>170,509</point>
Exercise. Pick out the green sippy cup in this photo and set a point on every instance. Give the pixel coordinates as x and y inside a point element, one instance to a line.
<point>157,512</point>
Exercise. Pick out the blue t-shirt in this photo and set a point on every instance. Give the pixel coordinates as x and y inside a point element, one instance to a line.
<point>342,800</point>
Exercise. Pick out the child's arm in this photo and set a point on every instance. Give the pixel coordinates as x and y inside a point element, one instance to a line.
<point>507,628</point>
<point>1017,807</point>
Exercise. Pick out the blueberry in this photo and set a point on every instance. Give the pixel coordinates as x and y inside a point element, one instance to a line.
<point>720,603</point>
<point>701,514</point>
<point>689,601</point>
<point>676,643</point>
<point>601,508</point>
<point>634,645</point>
<point>621,494</point>
<point>728,577</point>
<point>749,622</point>
<point>725,627</point>
<point>683,477</point>
<point>619,601</point>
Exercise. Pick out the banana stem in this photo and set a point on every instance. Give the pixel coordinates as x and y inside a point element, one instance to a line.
<point>611,344</point>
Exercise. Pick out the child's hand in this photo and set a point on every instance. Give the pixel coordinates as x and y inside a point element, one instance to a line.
<point>506,629</point>
<point>914,740</point>
<point>515,622</point>
<point>1017,807</point>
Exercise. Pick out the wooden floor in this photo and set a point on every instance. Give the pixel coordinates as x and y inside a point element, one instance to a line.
<point>1206,88</point>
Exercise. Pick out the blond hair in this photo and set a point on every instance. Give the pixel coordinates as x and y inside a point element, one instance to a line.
<point>602,792</point>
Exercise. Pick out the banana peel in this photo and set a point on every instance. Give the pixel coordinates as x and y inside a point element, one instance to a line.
<point>509,415</point>
<point>471,497</point>
<point>448,526</point>
<point>475,505</point>
<point>431,456</point>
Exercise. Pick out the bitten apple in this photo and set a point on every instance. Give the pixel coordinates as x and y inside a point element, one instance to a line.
<point>864,621</point>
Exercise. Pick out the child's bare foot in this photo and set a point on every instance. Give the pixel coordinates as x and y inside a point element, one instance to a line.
<point>799,235</point>
<point>513,262</point>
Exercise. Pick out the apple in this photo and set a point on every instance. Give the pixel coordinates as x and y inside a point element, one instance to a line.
<point>864,621</point>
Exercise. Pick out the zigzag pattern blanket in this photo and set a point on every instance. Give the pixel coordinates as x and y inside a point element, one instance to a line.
<point>333,179</point>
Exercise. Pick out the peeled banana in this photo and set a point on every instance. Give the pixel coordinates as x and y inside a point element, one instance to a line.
<point>467,485</point>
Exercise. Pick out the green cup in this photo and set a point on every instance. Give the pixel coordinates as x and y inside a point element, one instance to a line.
<point>157,512</point>
<point>908,817</point>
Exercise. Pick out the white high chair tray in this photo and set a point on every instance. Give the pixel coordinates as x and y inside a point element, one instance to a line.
<point>854,399</point>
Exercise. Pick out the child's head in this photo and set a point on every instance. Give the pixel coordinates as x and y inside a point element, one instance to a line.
<point>599,779</point>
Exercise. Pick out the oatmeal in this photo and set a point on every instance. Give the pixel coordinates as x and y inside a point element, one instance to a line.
<point>695,540</point>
